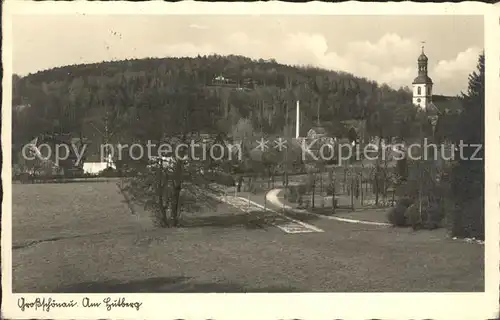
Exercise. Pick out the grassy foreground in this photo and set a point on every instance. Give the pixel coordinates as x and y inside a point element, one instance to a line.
<point>84,238</point>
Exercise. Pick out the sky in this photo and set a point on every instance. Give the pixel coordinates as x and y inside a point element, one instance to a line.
<point>381,48</point>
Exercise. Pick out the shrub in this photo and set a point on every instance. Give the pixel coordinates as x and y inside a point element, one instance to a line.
<point>396,216</point>
<point>475,210</point>
<point>108,173</point>
<point>300,202</point>
<point>412,215</point>
<point>466,219</point>
<point>222,179</point>
<point>301,189</point>
<point>404,202</point>
<point>329,189</point>
<point>434,214</point>
<point>307,203</point>
<point>257,187</point>
<point>292,194</point>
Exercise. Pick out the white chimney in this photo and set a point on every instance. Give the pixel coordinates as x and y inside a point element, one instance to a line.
<point>297,128</point>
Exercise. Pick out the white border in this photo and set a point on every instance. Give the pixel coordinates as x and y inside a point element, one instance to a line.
<point>293,305</point>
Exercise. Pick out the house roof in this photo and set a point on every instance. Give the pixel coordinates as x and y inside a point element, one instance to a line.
<point>59,138</point>
<point>319,130</point>
<point>431,108</point>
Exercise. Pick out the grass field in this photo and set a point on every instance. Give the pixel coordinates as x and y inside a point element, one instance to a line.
<point>84,238</point>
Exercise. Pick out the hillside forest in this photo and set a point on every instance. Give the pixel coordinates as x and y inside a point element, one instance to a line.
<point>126,95</point>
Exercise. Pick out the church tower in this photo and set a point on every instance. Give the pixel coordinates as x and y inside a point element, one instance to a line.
<point>422,85</point>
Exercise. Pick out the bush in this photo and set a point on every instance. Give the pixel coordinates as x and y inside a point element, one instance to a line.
<point>292,194</point>
<point>301,189</point>
<point>258,187</point>
<point>466,219</point>
<point>404,202</point>
<point>474,211</point>
<point>434,215</point>
<point>396,216</point>
<point>329,189</point>
<point>412,215</point>
<point>222,179</point>
<point>109,173</point>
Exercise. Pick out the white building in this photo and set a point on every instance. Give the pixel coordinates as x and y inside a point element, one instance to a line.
<point>422,85</point>
<point>96,167</point>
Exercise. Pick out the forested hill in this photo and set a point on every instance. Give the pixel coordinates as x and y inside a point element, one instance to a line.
<point>209,93</point>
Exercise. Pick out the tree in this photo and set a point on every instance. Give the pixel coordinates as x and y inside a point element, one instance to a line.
<point>243,134</point>
<point>376,124</point>
<point>467,176</point>
<point>270,162</point>
<point>102,93</point>
<point>166,116</point>
<point>352,135</point>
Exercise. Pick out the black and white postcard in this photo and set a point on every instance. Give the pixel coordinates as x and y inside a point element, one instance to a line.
<point>250,160</point>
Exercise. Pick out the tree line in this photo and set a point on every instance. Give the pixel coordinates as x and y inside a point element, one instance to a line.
<point>87,99</point>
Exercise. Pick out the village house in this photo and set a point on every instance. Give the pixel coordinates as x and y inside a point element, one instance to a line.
<point>45,147</point>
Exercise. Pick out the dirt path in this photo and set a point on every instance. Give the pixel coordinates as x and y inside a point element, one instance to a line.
<point>287,224</point>
<point>272,197</point>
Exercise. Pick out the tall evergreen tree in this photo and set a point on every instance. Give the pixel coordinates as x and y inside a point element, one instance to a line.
<point>468,175</point>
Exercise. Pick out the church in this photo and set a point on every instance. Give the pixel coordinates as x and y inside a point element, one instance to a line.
<point>422,96</point>
<point>422,90</point>
<point>422,85</point>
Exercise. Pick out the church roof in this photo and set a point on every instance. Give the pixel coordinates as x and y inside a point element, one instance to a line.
<point>432,109</point>
<point>423,57</point>
<point>422,79</point>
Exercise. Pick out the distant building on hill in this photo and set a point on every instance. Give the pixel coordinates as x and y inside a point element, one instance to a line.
<point>222,81</point>
<point>240,85</point>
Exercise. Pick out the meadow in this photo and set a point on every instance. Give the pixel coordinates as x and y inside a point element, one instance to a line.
<point>84,237</point>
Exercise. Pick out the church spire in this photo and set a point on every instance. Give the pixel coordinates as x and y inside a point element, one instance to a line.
<point>422,85</point>
<point>422,63</point>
